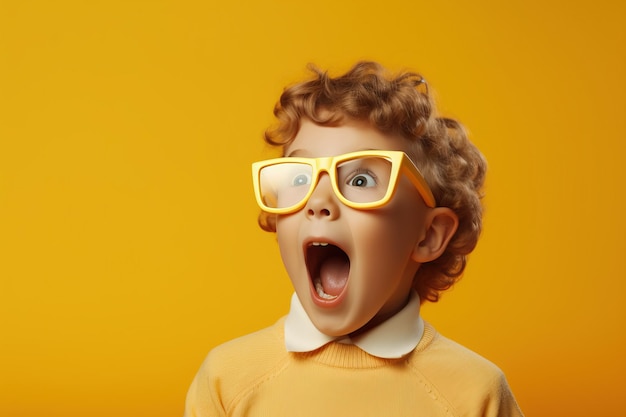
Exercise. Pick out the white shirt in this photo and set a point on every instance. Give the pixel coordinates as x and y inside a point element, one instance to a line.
<point>393,338</point>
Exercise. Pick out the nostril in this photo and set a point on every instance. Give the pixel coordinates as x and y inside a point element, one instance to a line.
<point>321,212</point>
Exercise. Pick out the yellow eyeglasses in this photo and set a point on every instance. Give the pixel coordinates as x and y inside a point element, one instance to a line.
<point>361,180</point>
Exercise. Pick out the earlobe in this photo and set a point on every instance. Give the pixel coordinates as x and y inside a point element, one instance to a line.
<point>441,225</point>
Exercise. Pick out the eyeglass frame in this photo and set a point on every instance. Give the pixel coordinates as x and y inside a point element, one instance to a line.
<point>400,161</point>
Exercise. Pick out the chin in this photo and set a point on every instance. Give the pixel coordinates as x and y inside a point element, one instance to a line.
<point>336,327</point>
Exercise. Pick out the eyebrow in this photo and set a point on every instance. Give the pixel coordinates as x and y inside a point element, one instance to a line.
<point>303,152</point>
<point>297,152</point>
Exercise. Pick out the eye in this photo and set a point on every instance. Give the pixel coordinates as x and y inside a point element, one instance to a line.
<point>362,179</point>
<point>301,179</point>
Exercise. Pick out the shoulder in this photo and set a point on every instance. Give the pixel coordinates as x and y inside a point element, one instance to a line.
<point>262,344</point>
<point>468,381</point>
<point>436,351</point>
<point>235,367</point>
<point>249,356</point>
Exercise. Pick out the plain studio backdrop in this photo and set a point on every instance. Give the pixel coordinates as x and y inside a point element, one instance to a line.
<point>128,237</point>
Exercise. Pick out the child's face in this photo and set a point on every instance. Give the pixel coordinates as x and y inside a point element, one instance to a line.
<point>366,270</point>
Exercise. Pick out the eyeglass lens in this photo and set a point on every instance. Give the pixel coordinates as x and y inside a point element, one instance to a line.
<point>359,180</point>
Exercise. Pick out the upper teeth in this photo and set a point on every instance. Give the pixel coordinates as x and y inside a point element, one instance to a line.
<point>319,244</point>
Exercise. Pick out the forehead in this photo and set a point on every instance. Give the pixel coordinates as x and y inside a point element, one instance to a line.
<point>314,140</point>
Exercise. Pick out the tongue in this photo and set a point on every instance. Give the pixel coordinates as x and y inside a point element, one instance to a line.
<point>334,274</point>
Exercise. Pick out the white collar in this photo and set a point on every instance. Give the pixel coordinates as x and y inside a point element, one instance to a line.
<point>393,338</point>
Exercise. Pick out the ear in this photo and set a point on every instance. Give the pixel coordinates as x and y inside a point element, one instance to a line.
<point>441,224</point>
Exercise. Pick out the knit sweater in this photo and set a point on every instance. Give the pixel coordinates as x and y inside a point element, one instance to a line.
<point>255,376</point>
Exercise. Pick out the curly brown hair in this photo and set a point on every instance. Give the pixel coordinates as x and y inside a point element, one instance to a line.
<point>398,104</point>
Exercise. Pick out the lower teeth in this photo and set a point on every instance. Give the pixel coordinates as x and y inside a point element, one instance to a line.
<point>321,293</point>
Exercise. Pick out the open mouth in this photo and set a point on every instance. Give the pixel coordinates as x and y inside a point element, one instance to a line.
<point>329,269</point>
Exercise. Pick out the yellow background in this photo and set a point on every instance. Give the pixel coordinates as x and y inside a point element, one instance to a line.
<point>128,237</point>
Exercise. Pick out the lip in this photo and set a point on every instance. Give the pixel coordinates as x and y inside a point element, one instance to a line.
<point>317,300</point>
<point>322,302</point>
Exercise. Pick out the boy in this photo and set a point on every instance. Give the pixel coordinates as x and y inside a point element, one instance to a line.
<point>376,204</point>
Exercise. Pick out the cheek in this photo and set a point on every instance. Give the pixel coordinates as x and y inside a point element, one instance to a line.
<point>407,213</point>
<point>283,226</point>
<point>385,247</point>
<point>390,235</point>
<point>286,237</point>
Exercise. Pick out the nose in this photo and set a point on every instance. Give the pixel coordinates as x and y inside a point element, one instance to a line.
<point>323,203</point>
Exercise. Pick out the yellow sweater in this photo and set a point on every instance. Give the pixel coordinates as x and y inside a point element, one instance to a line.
<point>255,376</point>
